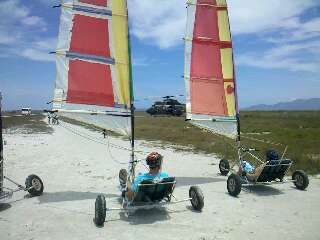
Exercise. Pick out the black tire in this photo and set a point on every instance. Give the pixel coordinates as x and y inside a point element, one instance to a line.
<point>234,185</point>
<point>34,185</point>
<point>301,180</point>
<point>197,199</point>
<point>100,210</point>
<point>224,167</point>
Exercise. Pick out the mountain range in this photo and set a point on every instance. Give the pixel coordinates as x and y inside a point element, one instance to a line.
<point>299,104</point>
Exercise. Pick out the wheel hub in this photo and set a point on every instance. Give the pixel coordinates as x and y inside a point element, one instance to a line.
<point>299,180</point>
<point>194,198</point>
<point>36,184</point>
<point>232,184</point>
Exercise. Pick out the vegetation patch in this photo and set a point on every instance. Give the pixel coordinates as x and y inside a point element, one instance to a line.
<point>15,123</point>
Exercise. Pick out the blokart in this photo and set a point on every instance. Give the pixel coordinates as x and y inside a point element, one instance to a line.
<point>273,172</point>
<point>33,183</point>
<point>150,194</point>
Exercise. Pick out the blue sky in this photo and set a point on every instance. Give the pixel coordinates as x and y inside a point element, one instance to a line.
<point>276,44</point>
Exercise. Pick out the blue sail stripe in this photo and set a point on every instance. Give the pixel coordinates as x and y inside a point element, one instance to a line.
<point>92,10</point>
<point>81,56</point>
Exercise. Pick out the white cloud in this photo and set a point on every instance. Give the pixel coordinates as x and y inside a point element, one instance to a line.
<point>164,24</point>
<point>18,31</point>
<point>37,55</point>
<point>266,15</point>
<point>33,21</point>
<point>293,57</point>
<point>160,23</point>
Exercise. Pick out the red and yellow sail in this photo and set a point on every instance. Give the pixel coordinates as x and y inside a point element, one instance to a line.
<point>209,68</point>
<point>93,63</point>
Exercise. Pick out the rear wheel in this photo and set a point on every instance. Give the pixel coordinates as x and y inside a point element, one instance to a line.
<point>100,210</point>
<point>234,185</point>
<point>34,185</point>
<point>224,167</point>
<point>301,180</point>
<point>197,199</point>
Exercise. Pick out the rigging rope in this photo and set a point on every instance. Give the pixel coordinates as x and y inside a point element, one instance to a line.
<point>263,141</point>
<point>93,139</point>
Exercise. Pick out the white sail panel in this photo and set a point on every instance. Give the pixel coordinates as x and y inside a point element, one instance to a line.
<point>93,82</point>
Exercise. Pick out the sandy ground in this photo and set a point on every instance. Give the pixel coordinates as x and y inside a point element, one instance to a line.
<point>75,170</point>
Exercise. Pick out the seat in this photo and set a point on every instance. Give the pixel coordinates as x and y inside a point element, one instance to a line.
<point>152,192</point>
<point>275,169</point>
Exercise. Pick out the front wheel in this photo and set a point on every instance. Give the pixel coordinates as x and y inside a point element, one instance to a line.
<point>100,210</point>
<point>197,199</point>
<point>301,180</point>
<point>34,185</point>
<point>234,185</point>
<point>224,167</point>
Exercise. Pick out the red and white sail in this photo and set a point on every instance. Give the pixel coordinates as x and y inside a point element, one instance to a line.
<point>93,81</point>
<point>209,68</point>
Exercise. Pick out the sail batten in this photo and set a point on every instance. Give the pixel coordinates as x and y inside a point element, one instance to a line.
<point>93,82</point>
<point>211,101</point>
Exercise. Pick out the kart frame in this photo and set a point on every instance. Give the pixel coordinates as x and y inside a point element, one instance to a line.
<point>235,181</point>
<point>130,206</point>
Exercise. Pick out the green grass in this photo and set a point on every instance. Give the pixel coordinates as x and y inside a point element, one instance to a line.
<point>26,124</point>
<point>300,131</point>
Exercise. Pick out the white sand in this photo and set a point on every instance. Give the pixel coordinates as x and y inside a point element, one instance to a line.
<point>75,170</point>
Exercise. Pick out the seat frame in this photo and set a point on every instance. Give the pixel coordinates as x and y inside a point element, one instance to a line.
<point>273,168</point>
<point>135,204</point>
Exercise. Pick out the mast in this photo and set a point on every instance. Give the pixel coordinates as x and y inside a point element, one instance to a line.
<point>1,148</point>
<point>133,163</point>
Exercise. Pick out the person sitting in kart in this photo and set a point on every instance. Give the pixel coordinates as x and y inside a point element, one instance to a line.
<point>252,173</point>
<point>154,161</point>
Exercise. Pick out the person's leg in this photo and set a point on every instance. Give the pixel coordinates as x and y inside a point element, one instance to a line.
<point>129,193</point>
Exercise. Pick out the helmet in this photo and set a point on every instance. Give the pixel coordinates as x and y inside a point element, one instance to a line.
<point>154,159</point>
<point>272,155</point>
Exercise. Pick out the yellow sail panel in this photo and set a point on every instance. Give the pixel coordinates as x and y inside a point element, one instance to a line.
<point>227,63</point>
<point>221,2</point>
<point>223,22</point>
<point>230,98</point>
<point>121,50</point>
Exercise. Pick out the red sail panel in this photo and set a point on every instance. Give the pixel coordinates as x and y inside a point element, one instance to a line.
<point>207,88</point>
<point>102,3</point>
<point>90,36</point>
<point>90,83</point>
<point>206,23</point>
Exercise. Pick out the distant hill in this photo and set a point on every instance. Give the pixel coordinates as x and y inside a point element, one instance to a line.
<point>299,104</point>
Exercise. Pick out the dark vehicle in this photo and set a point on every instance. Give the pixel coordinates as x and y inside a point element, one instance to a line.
<point>169,106</point>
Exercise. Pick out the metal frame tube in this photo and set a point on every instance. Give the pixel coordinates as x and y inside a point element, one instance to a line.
<point>149,206</point>
<point>1,147</point>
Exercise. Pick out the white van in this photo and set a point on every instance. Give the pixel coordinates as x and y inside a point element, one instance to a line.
<point>26,111</point>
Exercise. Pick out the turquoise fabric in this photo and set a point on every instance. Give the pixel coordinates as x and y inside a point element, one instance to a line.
<point>147,176</point>
<point>247,167</point>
